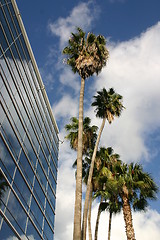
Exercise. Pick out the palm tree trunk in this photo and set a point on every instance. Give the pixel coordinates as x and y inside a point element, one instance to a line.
<point>97,221</point>
<point>84,224</point>
<point>128,218</point>
<point>89,216</point>
<point>78,194</point>
<point>109,227</point>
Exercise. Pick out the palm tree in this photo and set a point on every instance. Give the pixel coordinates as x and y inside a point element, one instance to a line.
<point>110,202</point>
<point>106,160</point>
<point>89,139</point>
<point>89,215</point>
<point>136,188</point>
<point>85,171</point>
<point>108,105</point>
<point>86,56</point>
<point>89,134</point>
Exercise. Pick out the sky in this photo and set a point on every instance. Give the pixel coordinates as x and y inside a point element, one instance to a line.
<point>132,31</point>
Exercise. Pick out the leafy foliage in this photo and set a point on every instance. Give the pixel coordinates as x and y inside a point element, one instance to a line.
<point>139,185</point>
<point>86,55</point>
<point>89,134</point>
<point>108,104</point>
<point>3,185</point>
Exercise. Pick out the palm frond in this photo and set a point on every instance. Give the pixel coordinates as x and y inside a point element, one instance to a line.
<point>86,55</point>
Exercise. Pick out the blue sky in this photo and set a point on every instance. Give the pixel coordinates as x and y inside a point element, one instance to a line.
<point>132,30</point>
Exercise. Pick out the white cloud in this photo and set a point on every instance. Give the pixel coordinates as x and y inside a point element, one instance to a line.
<point>66,108</point>
<point>48,79</point>
<point>65,199</point>
<point>146,225</point>
<point>67,78</point>
<point>133,70</point>
<point>82,16</point>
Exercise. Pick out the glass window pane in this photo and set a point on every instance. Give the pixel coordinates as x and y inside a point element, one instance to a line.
<point>48,231</point>
<point>36,214</point>
<point>31,232</point>
<point>6,232</point>
<point>26,169</point>
<point>11,139</point>
<point>39,193</point>
<point>21,189</point>
<point>7,162</point>
<point>51,197</point>
<point>15,19</point>
<point>30,152</point>
<point>50,214</point>
<point>16,214</point>
<point>2,38</point>
<point>41,176</point>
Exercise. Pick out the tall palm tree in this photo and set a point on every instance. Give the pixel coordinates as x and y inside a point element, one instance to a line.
<point>108,105</point>
<point>89,139</point>
<point>86,56</point>
<point>85,172</point>
<point>137,187</point>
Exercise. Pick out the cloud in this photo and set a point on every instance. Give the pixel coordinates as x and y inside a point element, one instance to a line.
<point>67,78</point>
<point>146,225</point>
<point>66,108</point>
<point>65,194</point>
<point>48,79</point>
<point>133,70</point>
<point>81,15</point>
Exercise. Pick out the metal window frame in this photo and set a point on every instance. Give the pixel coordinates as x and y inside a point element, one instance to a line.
<point>34,63</point>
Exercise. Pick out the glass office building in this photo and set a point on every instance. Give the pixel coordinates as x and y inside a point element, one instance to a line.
<point>28,137</point>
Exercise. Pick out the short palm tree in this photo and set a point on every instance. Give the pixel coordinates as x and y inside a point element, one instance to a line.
<point>136,188</point>
<point>86,56</point>
<point>108,105</point>
<point>106,160</point>
<point>110,202</point>
<point>89,134</point>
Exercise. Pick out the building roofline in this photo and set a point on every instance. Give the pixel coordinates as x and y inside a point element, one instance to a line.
<point>34,64</point>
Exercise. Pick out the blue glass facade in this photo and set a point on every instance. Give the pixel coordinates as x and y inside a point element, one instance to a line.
<point>28,137</point>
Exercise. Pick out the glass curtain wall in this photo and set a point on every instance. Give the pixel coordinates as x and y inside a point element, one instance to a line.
<point>28,139</point>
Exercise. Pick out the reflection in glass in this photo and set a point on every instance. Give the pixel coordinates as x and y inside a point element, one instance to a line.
<point>39,193</point>
<point>36,214</point>
<point>28,137</point>
<point>22,189</point>
<point>48,231</point>
<point>26,169</point>
<point>50,214</point>
<point>6,161</point>
<point>31,232</point>
<point>3,186</point>
<point>6,232</point>
<point>18,219</point>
